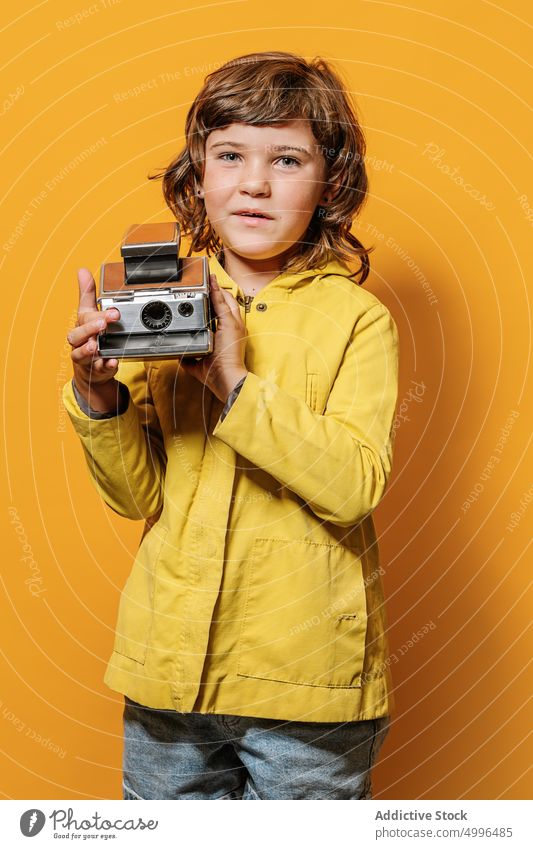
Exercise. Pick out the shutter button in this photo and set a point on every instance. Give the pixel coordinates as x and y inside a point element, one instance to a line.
<point>261,306</point>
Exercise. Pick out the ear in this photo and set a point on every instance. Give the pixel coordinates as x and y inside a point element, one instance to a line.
<point>330,192</point>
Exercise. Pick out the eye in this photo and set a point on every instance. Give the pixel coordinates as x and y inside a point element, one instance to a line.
<point>229,153</point>
<point>289,161</point>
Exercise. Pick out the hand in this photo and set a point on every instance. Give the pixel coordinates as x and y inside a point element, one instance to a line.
<point>92,373</point>
<point>222,369</point>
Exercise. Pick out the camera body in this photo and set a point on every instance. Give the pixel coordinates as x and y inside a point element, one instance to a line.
<point>164,299</point>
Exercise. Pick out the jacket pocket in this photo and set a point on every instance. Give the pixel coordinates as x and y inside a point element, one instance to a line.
<point>305,614</point>
<point>311,390</point>
<point>136,606</point>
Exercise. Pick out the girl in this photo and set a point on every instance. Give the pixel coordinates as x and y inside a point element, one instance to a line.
<point>251,637</point>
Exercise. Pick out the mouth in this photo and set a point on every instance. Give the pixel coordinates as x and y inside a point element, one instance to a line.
<point>253,213</point>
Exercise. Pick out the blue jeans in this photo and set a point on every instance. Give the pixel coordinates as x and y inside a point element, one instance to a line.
<point>172,755</point>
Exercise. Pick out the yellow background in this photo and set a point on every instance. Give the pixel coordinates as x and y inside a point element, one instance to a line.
<point>93,105</point>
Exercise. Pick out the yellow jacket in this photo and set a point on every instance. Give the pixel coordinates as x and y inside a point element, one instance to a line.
<point>256,589</point>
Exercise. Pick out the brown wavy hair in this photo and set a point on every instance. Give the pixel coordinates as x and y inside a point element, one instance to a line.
<point>268,88</point>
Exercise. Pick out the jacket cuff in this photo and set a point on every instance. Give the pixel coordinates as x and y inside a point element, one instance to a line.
<point>232,397</point>
<point>251,403</point>
<point>123,403</point>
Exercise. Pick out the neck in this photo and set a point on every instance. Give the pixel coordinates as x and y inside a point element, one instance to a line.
<point>251,275</point>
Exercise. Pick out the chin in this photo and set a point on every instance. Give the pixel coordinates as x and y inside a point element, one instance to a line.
<point>254,251</point>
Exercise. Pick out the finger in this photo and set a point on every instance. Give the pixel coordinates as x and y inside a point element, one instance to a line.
<point>85,354</point>
<point>216,292</point>
<point>224,292</point>
<point>94,323</point>
<point>81,334</point>
<point>102,366</point>
<point>231,304</point>
<point>225,304</point>
<point>87,289</point>
<point>97,365</point>
<point>228,297</point>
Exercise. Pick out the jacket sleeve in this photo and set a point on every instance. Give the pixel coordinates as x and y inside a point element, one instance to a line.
<point>123,401</point>
<point>125,453</point>
<point>338,462</point>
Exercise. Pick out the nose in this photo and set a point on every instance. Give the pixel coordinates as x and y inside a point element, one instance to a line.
<point>254,181</point>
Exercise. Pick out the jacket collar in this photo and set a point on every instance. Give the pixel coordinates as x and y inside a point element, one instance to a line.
<point>287,280</point>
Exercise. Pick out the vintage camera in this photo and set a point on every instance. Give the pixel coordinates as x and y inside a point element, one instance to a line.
<point>164,299</point>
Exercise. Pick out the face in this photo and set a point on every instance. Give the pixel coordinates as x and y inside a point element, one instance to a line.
<point>261,186</point>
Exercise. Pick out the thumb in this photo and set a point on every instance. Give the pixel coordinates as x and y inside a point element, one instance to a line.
<point>87,290</point>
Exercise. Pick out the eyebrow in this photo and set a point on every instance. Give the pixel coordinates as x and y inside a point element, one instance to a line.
<point>290,147</point>
<point>277,147</point>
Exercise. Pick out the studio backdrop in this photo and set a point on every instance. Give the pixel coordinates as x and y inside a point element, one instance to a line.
<point>93,99</point>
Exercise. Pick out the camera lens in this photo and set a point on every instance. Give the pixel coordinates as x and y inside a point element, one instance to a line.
<point>156,315</point>
<point>185,308</point>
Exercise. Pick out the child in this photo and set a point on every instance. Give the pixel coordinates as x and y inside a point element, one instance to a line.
<point>251,637</point>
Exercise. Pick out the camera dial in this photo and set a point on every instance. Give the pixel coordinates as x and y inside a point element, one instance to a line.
<point>185,308</point>
<point>156,315</point>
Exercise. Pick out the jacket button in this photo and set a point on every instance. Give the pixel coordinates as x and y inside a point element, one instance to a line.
<point>261,306</point>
